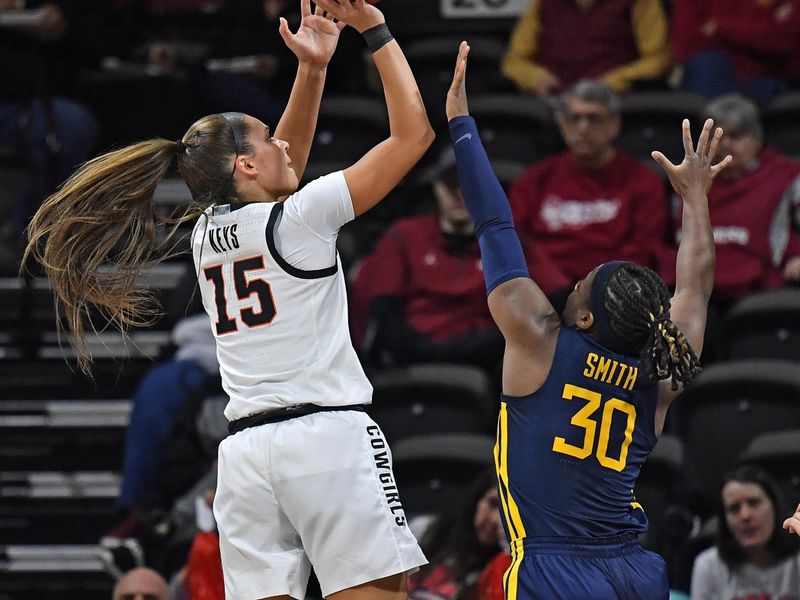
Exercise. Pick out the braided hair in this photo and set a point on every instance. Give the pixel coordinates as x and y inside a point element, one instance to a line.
<point>637,305</point>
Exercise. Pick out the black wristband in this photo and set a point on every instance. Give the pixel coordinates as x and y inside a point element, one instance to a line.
<point>377,37</point>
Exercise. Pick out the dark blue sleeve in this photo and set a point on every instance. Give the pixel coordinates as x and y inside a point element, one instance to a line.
<point>501,251</point>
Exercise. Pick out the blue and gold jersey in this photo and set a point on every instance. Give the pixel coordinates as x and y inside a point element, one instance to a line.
<point>568,455</point>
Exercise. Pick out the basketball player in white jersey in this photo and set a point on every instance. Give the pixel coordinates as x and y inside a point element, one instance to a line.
<point>305,478</point>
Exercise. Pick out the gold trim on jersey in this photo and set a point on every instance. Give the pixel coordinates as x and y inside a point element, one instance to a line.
<point>516,528</point>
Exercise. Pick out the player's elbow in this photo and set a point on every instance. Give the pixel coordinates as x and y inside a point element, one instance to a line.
<point>425,137</point>
<point>412,145</point>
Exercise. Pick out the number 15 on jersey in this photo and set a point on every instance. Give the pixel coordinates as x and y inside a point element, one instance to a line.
<point>263,310</point>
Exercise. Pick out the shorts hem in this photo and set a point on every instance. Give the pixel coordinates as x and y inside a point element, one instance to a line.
<point>413,567</point>
<point>260,594</point>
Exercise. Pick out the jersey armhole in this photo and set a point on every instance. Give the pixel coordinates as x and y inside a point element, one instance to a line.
<point>281,262</point>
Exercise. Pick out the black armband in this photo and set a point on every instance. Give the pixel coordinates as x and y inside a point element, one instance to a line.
<point>377,37</point>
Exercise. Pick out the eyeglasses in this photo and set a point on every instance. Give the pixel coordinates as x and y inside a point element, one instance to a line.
<point>591,118</point>
<point>139,596</point>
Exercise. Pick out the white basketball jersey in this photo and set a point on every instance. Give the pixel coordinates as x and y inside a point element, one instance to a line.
<point>273,287</point>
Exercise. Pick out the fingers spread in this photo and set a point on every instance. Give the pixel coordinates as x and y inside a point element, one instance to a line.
<point>305,7</point>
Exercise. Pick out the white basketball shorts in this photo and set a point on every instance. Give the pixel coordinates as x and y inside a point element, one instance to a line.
<point>314,490</point>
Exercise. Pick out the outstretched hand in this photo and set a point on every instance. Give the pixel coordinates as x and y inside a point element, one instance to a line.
<point>696,172</point>
<point>456,105</point>
<point>793,522</point>
<point>316,38</point>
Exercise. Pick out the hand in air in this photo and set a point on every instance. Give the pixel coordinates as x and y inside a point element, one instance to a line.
<point>456,105</point>
<point>793,522</point>
<point>359,14</point>
<point>696,172</point>
<point>316,38</point>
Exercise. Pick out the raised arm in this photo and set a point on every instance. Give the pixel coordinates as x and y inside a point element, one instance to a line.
<point>523,313</point>
<point>313,44</point>
<point>694,278</point>
<point>410,133</point>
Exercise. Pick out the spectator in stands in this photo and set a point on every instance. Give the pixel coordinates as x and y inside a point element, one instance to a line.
<point>753,557</point>
<point>754,205</point>
<point>141,584</point>
<point>752,46</point>
<point>591,203</point>
<point>421,291</point>
<point>51,132</point>
<point>557,42</point>
<point>458,545</point>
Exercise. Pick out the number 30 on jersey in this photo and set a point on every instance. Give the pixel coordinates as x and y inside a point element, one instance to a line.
<point>583,419</point>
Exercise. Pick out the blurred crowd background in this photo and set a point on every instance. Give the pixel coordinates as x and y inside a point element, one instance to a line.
<point>98,477</point>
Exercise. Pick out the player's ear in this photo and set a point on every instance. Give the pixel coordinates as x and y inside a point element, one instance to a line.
<point>584,319</point>
<point>245,165</point>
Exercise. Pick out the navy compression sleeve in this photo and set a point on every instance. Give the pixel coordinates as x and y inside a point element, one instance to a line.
<point>501,251</point>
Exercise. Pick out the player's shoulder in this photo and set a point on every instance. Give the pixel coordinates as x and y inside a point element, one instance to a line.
<point>329,182</point>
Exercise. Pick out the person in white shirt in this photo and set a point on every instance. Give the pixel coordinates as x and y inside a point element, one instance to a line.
<point>753,557</point>
<point>306,477</point>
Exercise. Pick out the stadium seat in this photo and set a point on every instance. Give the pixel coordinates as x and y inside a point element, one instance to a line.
<point>508,171</point>
<point>348,127</point>
<point>54,507</point>
<point>434,471</point>
<point>432,398</point>
<point>432,59</point>
<point>65,434</point>
<point>55,572</point>
<point>652,121</point>
<point>725,408</point>
<point>782,123</point>
<point>779,454</point>
<point>765,325</point>
<point>515,127</point>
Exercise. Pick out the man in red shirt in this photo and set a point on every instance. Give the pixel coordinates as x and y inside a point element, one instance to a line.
<point>421,292</point>
<point>750,46</point>
<point>591,203</point>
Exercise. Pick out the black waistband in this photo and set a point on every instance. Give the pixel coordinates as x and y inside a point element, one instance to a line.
<point>284,414</point>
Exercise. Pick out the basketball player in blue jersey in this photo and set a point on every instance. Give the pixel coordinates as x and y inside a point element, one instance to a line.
<point>585,395</point>
<point>305,478</point>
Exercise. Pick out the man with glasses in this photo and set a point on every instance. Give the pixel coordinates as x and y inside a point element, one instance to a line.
<point>591,203</point>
